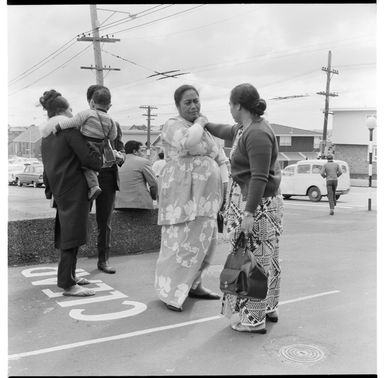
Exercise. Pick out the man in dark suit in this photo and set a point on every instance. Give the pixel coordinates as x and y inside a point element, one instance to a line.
<point>109,183</point>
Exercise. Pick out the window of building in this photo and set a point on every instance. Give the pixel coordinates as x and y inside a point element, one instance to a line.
<point>285,140</point>
<point>317,141</point>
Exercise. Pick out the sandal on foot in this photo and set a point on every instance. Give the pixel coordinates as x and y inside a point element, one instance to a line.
<point>82,281</point>
<point>77,291</point>
<point>244,328</point>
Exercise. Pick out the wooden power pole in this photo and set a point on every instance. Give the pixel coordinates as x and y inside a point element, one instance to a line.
<point>148,115</point>
<point>327,94</point>
<point>95,39</point>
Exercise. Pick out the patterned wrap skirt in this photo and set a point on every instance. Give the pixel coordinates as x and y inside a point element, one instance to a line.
<point>264,244</point>
<point>186,252</point>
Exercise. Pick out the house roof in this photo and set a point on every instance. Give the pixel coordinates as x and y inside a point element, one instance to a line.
<point>281,130</point>
<point>32,134</point>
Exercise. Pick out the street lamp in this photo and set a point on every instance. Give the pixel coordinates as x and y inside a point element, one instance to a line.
<point>371,124</point>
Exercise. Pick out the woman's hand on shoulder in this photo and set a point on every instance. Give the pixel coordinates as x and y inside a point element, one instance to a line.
<point>202,120</point>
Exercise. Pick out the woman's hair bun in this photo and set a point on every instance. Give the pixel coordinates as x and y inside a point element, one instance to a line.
<point>261,105</point>
<point>48,97</point>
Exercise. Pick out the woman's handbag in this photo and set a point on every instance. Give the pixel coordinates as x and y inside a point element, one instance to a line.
<point>242,275</point>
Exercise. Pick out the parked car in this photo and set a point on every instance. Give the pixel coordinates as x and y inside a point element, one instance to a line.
<point>32,174</point>
<point>304,179</point>
<point>13,171</point>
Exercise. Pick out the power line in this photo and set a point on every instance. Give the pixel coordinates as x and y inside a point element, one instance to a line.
<point>27,72</point>
<point>131,18</point>
<point>49,73</point>
<point>159,19</point>
<point>60,50</point>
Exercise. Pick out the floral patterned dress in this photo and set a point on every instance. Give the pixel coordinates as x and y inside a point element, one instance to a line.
<point>190,196</point>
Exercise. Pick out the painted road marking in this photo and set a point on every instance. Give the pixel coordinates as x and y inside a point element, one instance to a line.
<point>79,313</point>
<point>322,205</point>
<point>145,331</point>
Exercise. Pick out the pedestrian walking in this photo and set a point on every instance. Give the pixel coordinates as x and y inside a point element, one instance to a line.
<point>254,205</point>
<point>331,171</point>
<point>190,196</point>
<point>138,184</point>
<point>63,156</point>
<point>159,164</point>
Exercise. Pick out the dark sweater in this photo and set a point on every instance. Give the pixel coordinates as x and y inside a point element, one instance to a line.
<point>254,164</point>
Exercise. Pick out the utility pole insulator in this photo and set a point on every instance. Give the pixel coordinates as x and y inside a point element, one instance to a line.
<point>100,39</point>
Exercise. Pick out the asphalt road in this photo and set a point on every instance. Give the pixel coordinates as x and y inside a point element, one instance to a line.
<point>327,321</point>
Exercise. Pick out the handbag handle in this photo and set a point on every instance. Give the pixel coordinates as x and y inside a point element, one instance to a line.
<point>240,242</point>
<point>101,124</point>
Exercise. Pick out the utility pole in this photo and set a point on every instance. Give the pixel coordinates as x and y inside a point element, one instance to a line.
<point>95,39</point>
<point>327,94</point>
<point>148,115</point>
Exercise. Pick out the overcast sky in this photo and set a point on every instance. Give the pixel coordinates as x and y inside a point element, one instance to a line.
<point>280,49</point>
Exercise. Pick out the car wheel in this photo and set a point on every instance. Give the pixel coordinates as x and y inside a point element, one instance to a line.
<point>314,194</point>
<point>19,183</point>
<point>286,196</point>
<point>338,196</point>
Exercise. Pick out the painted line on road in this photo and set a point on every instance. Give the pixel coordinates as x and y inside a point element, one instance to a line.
<point>321,206</point>
<point>144,332</point>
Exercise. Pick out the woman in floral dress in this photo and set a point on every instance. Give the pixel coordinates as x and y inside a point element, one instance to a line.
<point>190,196</point>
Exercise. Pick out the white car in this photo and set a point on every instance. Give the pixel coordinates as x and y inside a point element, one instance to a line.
<point>13,172</point>
<point>304,179</point>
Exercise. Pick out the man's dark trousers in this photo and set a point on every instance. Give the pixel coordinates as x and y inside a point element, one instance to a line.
<point>331,186</point>
<point>104,208</point>
<point>67,267</point>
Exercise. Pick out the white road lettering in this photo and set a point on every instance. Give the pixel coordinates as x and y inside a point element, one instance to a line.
<point>138,307</point>
<point>53,280</point>
<point>113,295</point>
<point>96,285</point>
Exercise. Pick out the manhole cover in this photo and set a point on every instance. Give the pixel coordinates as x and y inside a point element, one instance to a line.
<point>302,353</point>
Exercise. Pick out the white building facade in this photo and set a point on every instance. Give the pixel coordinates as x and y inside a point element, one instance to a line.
<point>350,137</point>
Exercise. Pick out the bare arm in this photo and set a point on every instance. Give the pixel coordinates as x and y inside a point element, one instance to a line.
<point>221,130</point>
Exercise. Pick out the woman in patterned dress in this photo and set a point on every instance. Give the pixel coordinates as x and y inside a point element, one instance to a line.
<point>190,196</point>
<point>254,205</point>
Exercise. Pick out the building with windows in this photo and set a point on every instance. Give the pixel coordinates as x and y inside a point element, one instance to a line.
<point>350,137</point>
<point>27,143</point>
<point>294,144</point>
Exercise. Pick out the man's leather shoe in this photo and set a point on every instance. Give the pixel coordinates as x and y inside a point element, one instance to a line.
<point>106,268</point>
<point>203,293</point>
